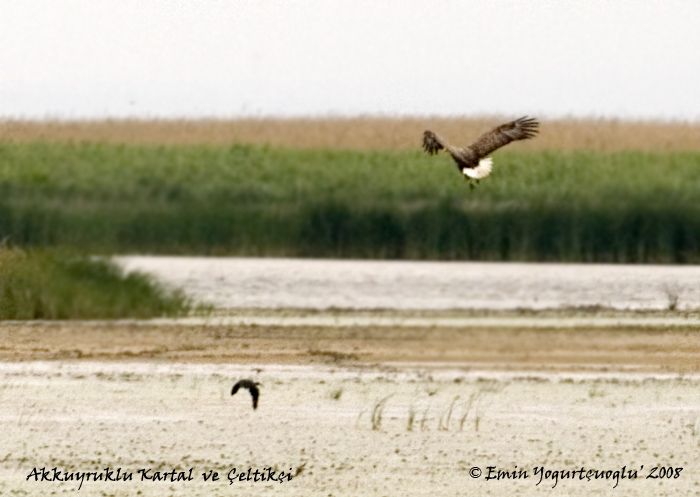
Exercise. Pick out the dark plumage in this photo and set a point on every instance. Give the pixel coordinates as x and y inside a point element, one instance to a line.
<point>252,387</point>
<point>473,160</point>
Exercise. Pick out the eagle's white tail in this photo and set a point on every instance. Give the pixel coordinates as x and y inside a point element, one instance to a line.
<point>480,171</point>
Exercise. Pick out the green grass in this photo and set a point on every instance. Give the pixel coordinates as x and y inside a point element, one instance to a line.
<point>246,200</point>
<point>39,284</point>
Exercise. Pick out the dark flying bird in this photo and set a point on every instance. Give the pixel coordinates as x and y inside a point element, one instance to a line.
<point>474,161</point>
<point>252,387</point>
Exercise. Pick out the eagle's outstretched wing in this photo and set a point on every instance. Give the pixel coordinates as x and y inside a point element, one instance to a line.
<point>432,142</point>
<point>520,129</point>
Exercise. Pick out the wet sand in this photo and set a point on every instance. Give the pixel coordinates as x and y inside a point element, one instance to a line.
<point>483,343</point>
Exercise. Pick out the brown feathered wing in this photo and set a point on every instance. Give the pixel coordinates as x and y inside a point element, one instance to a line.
<point>520,129</point>
<point>432,143</point>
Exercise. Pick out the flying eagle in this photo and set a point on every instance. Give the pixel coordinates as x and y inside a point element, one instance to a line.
<point>252,387</point>
<point>474,161</point>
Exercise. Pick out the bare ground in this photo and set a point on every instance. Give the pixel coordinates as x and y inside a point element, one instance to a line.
<point>350,410</point>
<point>648,348</point>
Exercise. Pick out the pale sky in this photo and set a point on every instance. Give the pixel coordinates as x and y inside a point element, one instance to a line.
<point>204,58</point>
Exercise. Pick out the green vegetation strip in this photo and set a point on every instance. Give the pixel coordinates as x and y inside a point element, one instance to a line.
<point>57,285</point>
<point>251,200</point>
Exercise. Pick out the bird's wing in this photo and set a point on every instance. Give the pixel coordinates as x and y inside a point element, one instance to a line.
<point>255,393</point>
<point>432,142</point>
<point>520,129</point>
<point>235,388</point>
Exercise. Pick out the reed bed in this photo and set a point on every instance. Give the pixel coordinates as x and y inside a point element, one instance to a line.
<point>40,284</point>
<point>259,200</point>
<point>358,133</point>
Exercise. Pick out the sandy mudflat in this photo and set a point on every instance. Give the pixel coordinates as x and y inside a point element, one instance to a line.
<point>536,343</point>
<point>86,396</point>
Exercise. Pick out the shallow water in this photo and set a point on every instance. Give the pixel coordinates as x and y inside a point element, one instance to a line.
<point>231,282</point>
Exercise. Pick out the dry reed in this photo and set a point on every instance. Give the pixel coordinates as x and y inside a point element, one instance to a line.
<point>357,133</point>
